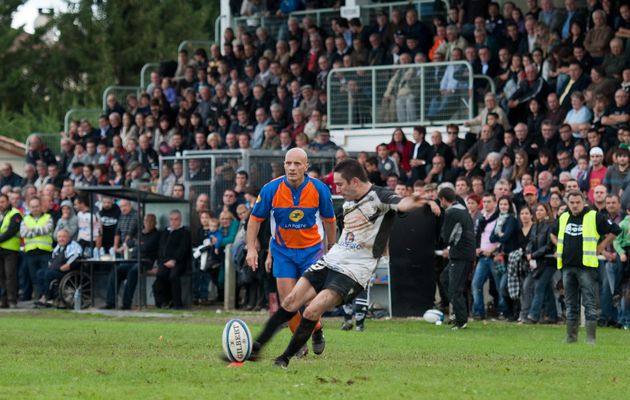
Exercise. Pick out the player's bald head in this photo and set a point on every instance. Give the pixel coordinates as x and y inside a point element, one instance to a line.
<point>296,154</point>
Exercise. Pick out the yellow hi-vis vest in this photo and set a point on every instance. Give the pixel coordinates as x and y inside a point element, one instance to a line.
<point>38,242</point>
<point>13,243</point>
<point>589,239</point>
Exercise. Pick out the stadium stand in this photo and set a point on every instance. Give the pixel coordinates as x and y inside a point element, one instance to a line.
<point>525,103</point>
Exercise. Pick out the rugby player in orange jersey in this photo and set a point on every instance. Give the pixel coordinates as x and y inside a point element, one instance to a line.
<point>302,215</point>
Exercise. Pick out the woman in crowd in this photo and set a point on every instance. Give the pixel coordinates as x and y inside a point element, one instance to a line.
<point>118,173</point>
<point>404,147</point>
<point>526,220</point>
<point>505,233</point>
<point>543,266</point>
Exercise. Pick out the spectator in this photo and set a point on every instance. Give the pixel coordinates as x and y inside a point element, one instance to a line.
<point>68,220</point>
<point>62,261</point>
<point>36,230</point>
<point>9,252</point>
<point>37,150</point>
<point>172,256</point>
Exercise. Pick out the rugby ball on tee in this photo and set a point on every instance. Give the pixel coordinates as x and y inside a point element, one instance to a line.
<point>237,341</point>
<point>432,316</point>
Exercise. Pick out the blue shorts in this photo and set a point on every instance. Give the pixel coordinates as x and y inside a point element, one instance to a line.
<point>291,263</point>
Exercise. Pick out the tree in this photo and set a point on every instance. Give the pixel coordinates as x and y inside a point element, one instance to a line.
<point>99,43</point>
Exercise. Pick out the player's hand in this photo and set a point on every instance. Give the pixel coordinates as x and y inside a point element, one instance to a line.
<point>268,263</point>
<point>252,259</point>
<point>445,253</point>
<point>169,264</point>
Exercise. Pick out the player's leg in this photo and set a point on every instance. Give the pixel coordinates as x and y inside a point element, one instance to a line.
<point>302,293</point>
<point>361,307</point>
<point>324,301</point>
<point>348,313</point>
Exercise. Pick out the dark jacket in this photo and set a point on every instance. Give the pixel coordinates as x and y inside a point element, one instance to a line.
<point>149,245</point>
<point>174,245</point>
<point>509,241</point>
<point>458,233</point>
<point>539,244</point>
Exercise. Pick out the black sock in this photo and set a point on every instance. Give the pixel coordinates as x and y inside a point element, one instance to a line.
<point>274,323</point>
<point>300,337</point>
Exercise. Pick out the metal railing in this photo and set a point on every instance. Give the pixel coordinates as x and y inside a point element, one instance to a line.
<point>493,86</point>
<point>192,45</point>
<point>217,28</point>
<point>120,92</point>
<point>148,67</point>
<point>276,26</point>
<point>214,171</point>
<point>77,114</point>
<point>400,95</point>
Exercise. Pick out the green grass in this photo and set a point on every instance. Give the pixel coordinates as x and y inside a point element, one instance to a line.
<point>58,354</point>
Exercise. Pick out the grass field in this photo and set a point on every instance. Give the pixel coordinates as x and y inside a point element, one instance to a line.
<point>57,354</point>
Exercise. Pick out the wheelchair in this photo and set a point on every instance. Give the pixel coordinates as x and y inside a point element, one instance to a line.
<point>62,290</point>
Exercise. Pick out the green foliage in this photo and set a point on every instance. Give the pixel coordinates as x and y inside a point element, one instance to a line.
<point>98,43</point>
<point>63,355</point>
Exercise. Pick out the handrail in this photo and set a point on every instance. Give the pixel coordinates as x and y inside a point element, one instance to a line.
<point>143,71</point>
<point>217,28</point>
<point>183,44</point>
<point>365,73</point>
<point>66,118</point>
<point>493,86</point>
<point>259,20</point>
<point>109,89</point>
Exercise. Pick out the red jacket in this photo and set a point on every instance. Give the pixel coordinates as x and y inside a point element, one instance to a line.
<point>405,154</point>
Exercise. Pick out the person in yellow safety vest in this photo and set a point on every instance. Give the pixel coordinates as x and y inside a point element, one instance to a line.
<point>577,237</point>
<point>10,220</point>
<point>36,230</point>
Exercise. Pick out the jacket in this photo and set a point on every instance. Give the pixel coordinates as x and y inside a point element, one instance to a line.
<point>458,233</point>
<point>174,245</point>
<point>539,244</point>
<point>508,241</point>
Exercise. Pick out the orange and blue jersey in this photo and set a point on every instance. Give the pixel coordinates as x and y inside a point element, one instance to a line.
<point>296,214</point>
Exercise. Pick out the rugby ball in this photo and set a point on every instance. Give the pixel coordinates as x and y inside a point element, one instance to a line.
<point>237,341</point>
<point>433,316</point>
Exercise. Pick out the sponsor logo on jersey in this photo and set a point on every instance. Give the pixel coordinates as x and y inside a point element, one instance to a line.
<point>259,199</point>
<point>296,215</point>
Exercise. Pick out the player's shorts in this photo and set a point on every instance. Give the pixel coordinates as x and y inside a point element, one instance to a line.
<point>292,263</point>
<point>322,277</point>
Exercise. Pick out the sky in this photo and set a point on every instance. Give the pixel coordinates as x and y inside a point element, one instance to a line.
<point>27,13</point>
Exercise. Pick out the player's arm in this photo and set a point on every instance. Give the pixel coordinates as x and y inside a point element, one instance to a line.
<point>253,226</point>
<point>330,228</point>
<point>411,203</point>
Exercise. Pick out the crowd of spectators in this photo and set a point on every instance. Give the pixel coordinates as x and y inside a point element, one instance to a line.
<point>558,121</point>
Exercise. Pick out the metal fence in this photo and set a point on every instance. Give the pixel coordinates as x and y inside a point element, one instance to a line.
<point>77,114</point>
<point>120,92</point>
<point>400,95</point>
<point>277,26</point>
<point>212,172</point>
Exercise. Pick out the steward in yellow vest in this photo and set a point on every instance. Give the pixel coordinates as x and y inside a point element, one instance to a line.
<point>10,220</point>
<point>577,237</point>
<point>37,230</point>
